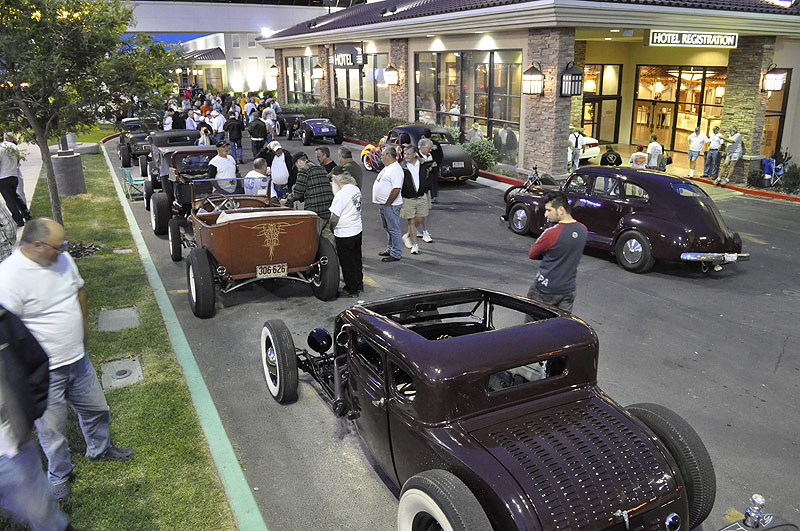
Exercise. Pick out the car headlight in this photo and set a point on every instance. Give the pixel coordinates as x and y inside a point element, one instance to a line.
<point>672,522</point>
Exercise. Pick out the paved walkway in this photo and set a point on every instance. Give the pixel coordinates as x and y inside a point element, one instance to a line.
<point>31,167</point>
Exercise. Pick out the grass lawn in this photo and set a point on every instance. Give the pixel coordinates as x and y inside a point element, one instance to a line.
<point>171,483</point>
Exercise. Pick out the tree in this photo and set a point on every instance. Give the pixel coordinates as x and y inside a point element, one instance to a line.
<point>64,65</point>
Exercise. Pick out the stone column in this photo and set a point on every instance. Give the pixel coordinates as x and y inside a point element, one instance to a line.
<point>398,94</point>
<point>325,82</point>
<point>576,113</point>
<point>546,135</point>
<point>745,104</point>
<point>283,98</point>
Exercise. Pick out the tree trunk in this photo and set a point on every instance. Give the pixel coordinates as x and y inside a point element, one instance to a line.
<point>52,187</point>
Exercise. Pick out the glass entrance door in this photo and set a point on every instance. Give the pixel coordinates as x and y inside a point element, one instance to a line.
<point>653,117</point>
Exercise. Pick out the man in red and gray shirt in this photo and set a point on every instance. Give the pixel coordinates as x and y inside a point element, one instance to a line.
<point>560,248</point>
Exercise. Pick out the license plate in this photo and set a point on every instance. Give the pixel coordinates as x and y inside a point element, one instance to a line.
<point>730,257</point>
<point>272,270</point>
<point>458,164</point>
<point>325,129</point>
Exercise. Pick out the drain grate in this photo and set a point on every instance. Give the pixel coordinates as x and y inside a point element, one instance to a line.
<point>121,373</point>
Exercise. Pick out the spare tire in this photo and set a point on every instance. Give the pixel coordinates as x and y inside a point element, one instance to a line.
<point>689,452</point>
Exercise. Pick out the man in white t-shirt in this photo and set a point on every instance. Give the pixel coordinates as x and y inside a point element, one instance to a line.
<point>347,229</point>
<point>576,146</point>
<point>735,151</point>
<point>386,193</point>
<point>249,107</point>
<point>639,158</point>
<point>223,168</point>
<point>217,125</point>
<point>40,284</point>
<point>697,141</point>
<point>654,152</point>
<point>258,182</point>
<point>715,141</point>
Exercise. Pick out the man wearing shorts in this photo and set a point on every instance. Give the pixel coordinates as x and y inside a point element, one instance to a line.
<point>697,141</point>
<point>415,200</point>
<point>735,151</point>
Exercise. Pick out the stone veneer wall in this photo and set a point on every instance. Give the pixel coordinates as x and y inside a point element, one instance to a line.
<point>398,94</point>
<point>745,104</point>
<point>576,114</point>
<point>281,91</point>
<point>547,117</point>
<point>325,82</point>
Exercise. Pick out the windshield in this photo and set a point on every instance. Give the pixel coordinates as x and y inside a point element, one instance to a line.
<point>688,190</point>
<point>192,163</point>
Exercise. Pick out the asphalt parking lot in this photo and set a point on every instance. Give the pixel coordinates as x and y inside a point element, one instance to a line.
<point>722,349</point>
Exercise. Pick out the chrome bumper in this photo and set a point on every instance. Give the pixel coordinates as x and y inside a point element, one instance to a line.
<point>715,258</point>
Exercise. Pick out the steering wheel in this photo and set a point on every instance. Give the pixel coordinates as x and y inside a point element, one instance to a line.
<point>219,203</point>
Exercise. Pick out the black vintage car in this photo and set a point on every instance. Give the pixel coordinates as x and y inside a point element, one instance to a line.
<point>133,141</point>
<point>288,123</point>
<point>489,422</point>
<point>456,164</point>
<point>639,215</point>
<point>155,167</point>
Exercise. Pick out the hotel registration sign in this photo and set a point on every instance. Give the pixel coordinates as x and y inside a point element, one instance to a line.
<point>693,39</point>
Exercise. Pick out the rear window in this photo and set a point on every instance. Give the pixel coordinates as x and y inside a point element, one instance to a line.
<point>634,191</point>
<point>688,190</point>
<point>193,163</point>
<point>442,138</point>
<point>524,374</point>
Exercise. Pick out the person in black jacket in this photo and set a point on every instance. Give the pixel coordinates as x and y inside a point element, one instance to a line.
<point>610,157</point>
<point>234,127</point>
<point>436,167</point>
<point>416,183</point>
<point>24,381</point>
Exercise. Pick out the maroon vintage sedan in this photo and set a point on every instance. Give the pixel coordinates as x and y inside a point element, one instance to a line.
<point>489,422</point>
<point>639,215</point>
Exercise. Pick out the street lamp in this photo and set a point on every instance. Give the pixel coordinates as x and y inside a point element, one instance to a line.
<point>317,72</point>
<point>533,81</point>
<point>273,71</point>
<point>571,81</point>
<point>773,79</point>
<point>391,75</point>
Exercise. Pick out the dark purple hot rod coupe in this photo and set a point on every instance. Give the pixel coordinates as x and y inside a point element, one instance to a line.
<point>488,422</point>
<point>639,215</point>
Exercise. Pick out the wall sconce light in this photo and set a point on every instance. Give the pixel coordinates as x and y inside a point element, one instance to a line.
<point>533,80</point>
<point>273,71</point>
<point>317,72</point>
<point>590,85</point>
<point>200,72</point>
<point>571,81</point>
<point>391,75</point>
<point>178,70</point>
<point>773,79</point>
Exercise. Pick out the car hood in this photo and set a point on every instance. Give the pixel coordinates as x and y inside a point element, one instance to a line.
<point>581,462</point>
<point>708,230</point>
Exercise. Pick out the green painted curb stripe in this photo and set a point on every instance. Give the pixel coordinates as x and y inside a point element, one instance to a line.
<point>240,497</point>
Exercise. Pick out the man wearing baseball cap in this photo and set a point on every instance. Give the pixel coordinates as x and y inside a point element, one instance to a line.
<point>281,167</point>
<point>223,168</point>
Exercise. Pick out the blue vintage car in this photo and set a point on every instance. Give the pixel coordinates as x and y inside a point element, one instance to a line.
<point>320,129</point>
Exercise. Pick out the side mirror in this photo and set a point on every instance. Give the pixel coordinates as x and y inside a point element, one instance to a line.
<point>319,340</point>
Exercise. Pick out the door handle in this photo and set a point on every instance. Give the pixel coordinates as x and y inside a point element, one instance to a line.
<point>379,403</point>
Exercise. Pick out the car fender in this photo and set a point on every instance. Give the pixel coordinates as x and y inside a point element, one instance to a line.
<point>667,239</point>
<point>367,149</point>
<point>535,205</point>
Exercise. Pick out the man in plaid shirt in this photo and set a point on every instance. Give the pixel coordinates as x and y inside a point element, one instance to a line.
<point>8,232</point>
<point>313,188</point>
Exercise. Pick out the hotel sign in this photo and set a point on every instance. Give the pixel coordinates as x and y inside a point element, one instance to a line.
<point>347,56</point>
<point>693,39</point>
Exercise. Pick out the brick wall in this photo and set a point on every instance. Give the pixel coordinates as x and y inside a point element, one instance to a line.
<point>398,94</point>
<point>745,105</point>
<point>547,118</point>
<point>325,82</point>
<point>282,98</point>
<point>576,107</point>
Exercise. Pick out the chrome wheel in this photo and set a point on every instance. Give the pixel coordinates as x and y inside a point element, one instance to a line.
<point>632,251</point>
<point>520,219</point>
<point>192,283</point>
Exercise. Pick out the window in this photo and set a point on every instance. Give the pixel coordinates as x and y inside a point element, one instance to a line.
<point>237,79</point>
<point>403,383</point>
<point>368,354</point>
<point>602,101</point>
<point>775,117</point>
<point>253,77</point>
<point>605,186</point>
<point>577,184</point>
<point>634,191</point>
<point>687,190</point>
<point>300,86</point>
<point>526,374</point>
<point>363,89</point>
<point>235,40</point>
<point>251,40</point>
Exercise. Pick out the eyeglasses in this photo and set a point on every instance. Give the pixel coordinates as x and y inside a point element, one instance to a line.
<point>61,248</point>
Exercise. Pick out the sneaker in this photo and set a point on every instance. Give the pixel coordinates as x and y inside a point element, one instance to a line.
<point>415,249</point>
<point>113,453</point>
<point>717,181</point>
<point>406,241</point>
<point>726,181</point>
<point>390,259</point>
<point>383,253</point>
<point>426,237</point>
<point>62,491</point>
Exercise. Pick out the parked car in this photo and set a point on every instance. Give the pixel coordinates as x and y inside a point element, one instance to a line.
<point>288,123</point>
<point>133,141</point>
<point>591,149</point>
<point>155,165</point>
<point>488,422</point>
<point>319,129</point>
<point>456,164</point>
<point>639,215</point>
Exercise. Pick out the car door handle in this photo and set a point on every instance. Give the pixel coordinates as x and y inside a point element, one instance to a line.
<point>379,403</point>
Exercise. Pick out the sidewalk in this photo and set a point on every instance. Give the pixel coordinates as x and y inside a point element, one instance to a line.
<point>31,167</point>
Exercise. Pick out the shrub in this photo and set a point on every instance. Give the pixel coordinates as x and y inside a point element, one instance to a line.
<point>791,178</point>
<point>755,178</point>
<point>455,132</point>
<point>482,152</point>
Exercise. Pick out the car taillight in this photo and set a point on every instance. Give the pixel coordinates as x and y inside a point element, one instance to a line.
<point>672,522</point>
<point>593,144</point>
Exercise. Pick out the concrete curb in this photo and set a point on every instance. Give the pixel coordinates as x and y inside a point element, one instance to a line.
<point>240,496</point>
<point>750,191</point>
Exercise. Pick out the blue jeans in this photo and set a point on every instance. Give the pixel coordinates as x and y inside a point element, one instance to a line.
<point>25,492</point>
<point>390,217</point>
<point>711,166</point>
<point>76,382</point>
<point>236,149</point>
